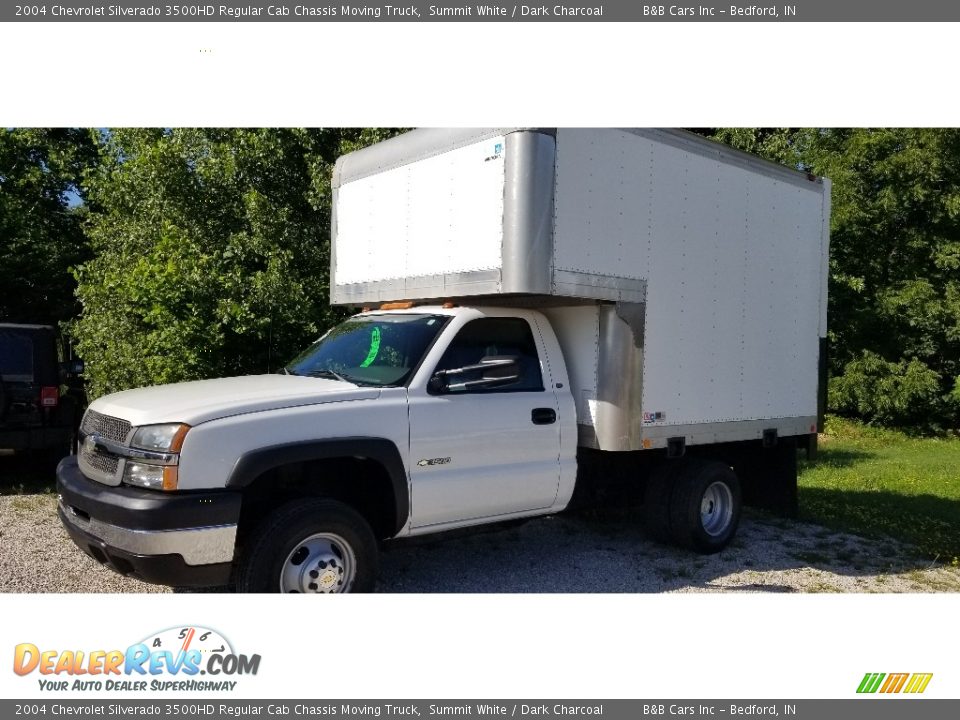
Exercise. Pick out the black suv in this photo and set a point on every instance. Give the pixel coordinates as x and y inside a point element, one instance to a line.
<point>40,397</point>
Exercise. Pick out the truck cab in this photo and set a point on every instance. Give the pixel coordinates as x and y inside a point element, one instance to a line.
<point>215,481</point>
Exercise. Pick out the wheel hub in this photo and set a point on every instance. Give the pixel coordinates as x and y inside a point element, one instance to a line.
<point>321,563</point>
<point>716,509</point>
<point>328,579</point>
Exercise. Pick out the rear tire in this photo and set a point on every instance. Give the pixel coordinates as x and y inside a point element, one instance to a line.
<point>310,546</point>
<point>705,506</point>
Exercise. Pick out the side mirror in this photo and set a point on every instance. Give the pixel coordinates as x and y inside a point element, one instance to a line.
<point>438,384</point>
<point>500,368</point>
<point>494,370</point>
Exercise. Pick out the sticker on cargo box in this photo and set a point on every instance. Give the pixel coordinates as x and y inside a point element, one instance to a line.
<point>653,417</point>
<point>497,153</point>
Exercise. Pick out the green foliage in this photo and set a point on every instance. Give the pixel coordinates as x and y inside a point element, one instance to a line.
<point>883,483</point>
<point>889,392</point>
<point>777,144</point>
<point>41,236</point>
<point>894,309</point>
<point>211,252</point>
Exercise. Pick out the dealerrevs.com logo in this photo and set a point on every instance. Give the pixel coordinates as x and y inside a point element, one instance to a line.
<point>173,659</point>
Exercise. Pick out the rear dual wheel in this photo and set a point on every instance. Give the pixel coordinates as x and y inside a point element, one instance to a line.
<point>693,503</point>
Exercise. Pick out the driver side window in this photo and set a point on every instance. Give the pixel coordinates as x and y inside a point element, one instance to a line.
<point>496,338</point>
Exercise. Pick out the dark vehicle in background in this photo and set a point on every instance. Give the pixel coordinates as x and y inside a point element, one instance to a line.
<point>41,398</point>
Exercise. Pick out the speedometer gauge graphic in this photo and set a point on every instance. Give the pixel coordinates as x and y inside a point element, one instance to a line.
<point>193,637</point>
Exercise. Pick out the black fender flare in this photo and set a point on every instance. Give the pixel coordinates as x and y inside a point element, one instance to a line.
<point>256,462</point>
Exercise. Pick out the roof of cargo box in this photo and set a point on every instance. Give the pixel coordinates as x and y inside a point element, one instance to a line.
<point>424,143</point>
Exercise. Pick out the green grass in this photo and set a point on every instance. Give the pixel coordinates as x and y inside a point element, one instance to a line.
<point>883,483</point>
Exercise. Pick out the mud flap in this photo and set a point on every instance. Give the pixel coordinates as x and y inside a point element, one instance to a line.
<point>769,478</point>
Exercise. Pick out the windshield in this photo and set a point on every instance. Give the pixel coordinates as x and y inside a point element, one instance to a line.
<point>371,349</point>
<point>16,356</point>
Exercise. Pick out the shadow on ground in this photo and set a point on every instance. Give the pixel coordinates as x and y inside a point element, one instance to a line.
<point>931,523</point>
<point>838,457</point>
<point>608,551</point>
<point>27,473</point>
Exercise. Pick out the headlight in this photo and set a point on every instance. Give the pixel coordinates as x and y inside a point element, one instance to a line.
<point>156,466</point>
<point>161,438</point>
<point>143,475</point>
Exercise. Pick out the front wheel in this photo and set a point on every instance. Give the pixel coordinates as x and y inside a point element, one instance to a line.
<point>310,546</point>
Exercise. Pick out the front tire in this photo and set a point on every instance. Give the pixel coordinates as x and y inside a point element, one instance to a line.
<point>310,546</point>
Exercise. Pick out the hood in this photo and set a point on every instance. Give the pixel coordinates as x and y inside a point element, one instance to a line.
<point>203,400</point>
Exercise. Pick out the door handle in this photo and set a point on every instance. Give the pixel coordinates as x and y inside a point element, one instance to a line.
<point>543,416</point>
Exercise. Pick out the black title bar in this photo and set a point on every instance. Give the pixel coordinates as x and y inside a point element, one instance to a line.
<point>571,11</point>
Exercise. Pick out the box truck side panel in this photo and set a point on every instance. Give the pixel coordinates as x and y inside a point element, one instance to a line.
<point>780,364</point>
<point>407,227</point>
<point>730,249</point>
<point>730,335</point>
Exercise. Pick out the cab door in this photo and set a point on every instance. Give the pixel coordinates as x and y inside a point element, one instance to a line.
<point>481,451</point>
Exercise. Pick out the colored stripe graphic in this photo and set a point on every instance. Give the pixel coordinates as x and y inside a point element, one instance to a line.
<point>918,683</point>
<point>895,682</point>
<point>870,682</point>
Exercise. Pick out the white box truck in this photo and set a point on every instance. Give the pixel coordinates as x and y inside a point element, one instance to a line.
<point>545,312</point>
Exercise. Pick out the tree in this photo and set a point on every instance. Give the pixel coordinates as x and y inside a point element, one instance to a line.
<point>896,285</point>
<point>211,252</point>
<point>894,311</point>
<point>41,234</point>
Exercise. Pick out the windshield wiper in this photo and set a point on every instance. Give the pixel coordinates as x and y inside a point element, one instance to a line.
<point>328,373</point>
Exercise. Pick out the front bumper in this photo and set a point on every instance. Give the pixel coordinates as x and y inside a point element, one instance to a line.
<point>178,539</point>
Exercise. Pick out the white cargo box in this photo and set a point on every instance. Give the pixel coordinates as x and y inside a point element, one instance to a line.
<point>715,262</point>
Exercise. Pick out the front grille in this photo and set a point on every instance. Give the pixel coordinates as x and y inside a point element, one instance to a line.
<point>98,464</point>
<point>108,427</point>
<point>100,461</point>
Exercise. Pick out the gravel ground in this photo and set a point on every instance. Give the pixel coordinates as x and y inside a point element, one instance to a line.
<point>598,552</point>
